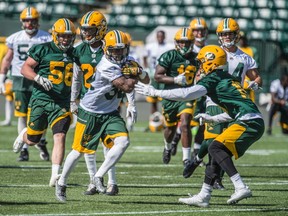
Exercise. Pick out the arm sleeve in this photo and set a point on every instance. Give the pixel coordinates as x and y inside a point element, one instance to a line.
<point>223,117</point>
<point>76,82</point>
<point>182,94</point>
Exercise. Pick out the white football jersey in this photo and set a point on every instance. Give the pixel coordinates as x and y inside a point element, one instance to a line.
<point>239,63</point>
<point>277,88</point>
<point>154,51</point>
<point>20,43</point>
<point>103,97</point>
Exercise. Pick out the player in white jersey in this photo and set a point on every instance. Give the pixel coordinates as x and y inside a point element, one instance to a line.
<point>239,65</point>
<point>279,98</point>
<point>98,115</point>
<point>18,44</point>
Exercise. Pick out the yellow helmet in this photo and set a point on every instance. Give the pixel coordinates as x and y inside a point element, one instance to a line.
<point>129,37</point>
<point>228,25</point>
<point>184,34</point>
<point>116,46</point>
<point>30,13</point>
<point>199,24</point>
<point>210,58</point>
<point>156,122</point>
<point>93,27</point>
<point>60,28</point>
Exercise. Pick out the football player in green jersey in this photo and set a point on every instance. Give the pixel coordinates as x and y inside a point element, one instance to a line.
<point>245,128</point>
<point>50,65</point>
<point>177,68</point>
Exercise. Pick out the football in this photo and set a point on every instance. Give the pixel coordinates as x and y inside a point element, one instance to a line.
<point>131,69</point>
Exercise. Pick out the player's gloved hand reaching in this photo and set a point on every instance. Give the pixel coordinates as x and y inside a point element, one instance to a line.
<point>44,82</point>
<point>180,80</point>
<point>253,85</point>
<point>147,90</point>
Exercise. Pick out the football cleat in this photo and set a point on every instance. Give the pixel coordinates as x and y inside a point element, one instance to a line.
<point>112,190</point>
<point>91,190</point>
<point>196,200</point>
<point>24,155</point>
<point>190,167</point>
<point>60,192</point>
<point>18,143</point>
<point>41,146</point>
<point>239,195</point>
<point>166,156</point>
<point>98,181</point>
<point>218,184</point>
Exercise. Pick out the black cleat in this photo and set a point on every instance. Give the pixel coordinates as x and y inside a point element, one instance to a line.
<point>218,185</point>
<point>174,149</point>
<point>112,190</point>
<point>41,146</point>
<point>166,156</point>
<point>190,167</point>
<point>24,155</point>
<point>91,190</point>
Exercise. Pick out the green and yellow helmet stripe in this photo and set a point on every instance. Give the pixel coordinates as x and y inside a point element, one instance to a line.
<point>67,25</point>
<point>118,37</point>
<point>226,24</point>
<point>87,18</point>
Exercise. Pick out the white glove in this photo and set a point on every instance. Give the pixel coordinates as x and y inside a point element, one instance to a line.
<point>73,107</point>
<point>2,83</point>
<point>131,112</point>
<point>180,80</point>
<point>147,90</point>
<point>253,85</point>
<point>44,82</point>
<point>203,117</point>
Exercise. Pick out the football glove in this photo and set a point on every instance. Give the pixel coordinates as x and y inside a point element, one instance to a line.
<point>2,83</point>
<point>131,68</point>
<point>131,112</point>
<point>73,107</point>
<point>253,85</point>
<point>44,82</point>
<point>147,90</point>
<point>180,80</point>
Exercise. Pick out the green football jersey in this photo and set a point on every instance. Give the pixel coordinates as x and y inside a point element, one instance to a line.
<point>55,65</point>
<point>226,91</point>
<point>176,64</point>
<point>88,61</point>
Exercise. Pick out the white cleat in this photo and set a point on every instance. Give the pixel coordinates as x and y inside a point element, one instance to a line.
<point>53,180</point>
<point>239,195</point>
<point>18,143</point>
<point>196,200</point>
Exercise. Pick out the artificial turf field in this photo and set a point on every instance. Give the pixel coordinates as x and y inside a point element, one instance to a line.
<point>147,186</point>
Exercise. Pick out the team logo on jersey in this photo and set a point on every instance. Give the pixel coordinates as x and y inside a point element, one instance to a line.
<point>209,56</point>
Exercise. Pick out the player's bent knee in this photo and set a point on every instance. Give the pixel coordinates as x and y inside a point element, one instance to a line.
<point>122,141</point>
<point>62,126</point>
<point>33,139</point>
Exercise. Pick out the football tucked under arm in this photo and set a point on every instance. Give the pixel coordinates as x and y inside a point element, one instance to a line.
<point>132,69</point>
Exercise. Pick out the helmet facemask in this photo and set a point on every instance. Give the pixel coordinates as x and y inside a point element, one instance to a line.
<point>117,54</point>
<point>222,36</point>
<point>184,49</point>
<point>89,34</point>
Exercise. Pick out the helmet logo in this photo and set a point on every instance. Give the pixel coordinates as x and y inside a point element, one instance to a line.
<point>210,56</point>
